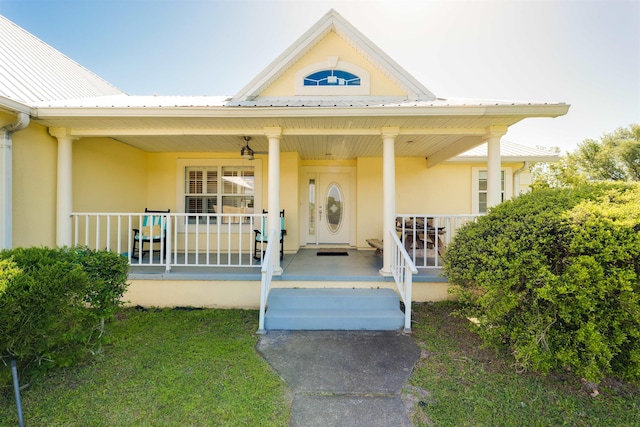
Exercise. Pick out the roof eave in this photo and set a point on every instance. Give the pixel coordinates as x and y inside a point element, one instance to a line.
<point>522,111</point>
<point>14,106</point>
<point>504,159</point>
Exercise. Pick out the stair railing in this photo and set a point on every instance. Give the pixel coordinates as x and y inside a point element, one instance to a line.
<point>268,267</point>
<point>403,269</point>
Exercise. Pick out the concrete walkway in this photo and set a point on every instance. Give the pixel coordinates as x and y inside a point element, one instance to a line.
<point>343,378</point>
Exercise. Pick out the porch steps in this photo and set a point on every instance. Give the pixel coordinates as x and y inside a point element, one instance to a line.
<point>333,309</point>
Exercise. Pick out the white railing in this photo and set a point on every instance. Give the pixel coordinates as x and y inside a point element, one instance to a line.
<point>194,240</point>
<point>268,267</point>
<point>403,269</point>
<point>426,237</point>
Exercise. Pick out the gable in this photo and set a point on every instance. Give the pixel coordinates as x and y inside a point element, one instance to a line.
<point>330,37</point>
<point>333,53</point>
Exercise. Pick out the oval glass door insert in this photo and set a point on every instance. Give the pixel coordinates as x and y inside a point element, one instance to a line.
<point>334,208</point>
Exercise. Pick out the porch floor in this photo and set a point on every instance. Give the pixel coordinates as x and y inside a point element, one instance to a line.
<point>305,265</point>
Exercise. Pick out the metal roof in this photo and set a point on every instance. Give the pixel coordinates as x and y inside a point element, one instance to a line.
<point>32,71</point>
<point>509,151</point>
<point>63,94</point>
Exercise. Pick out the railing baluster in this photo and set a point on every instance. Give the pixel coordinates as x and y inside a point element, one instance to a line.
<point>86,231</point>
<point>108,232</point>
<point>208,238</point>
<point>130,240</point>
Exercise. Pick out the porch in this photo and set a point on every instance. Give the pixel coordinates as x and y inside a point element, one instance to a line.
<point>313,292</point>
<point>212,260</point>
<point>302,267</point>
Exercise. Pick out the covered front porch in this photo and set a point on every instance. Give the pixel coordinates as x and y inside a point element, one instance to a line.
<point>172,243</point>
<point>304,266</point>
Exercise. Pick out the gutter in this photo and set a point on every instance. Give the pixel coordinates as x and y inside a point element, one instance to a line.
<point>516,178</point>
<point>516,112</point>
<point>6,178</point>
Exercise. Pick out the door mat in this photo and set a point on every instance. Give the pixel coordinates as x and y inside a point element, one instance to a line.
<point>332,252</point>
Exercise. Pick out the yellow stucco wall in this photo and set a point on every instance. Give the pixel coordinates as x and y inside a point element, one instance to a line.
<point>442,189</point>
<point>333,45</point>
<point>290,198</point>
<point>108,176</point>
<point>245,294</point>
<point>34,187</point>
<point>369,196</point>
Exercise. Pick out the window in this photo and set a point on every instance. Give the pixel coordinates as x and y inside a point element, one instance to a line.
<point>479,188</point>
<point>332,78</point>
<point>216,187</point>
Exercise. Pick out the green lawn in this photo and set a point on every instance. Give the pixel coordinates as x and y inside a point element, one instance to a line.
<point>458,383</point>
<point>200,368</point>
<point>164,368</point>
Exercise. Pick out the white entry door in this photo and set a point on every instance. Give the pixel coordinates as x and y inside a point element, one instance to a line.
<point>329,208</point>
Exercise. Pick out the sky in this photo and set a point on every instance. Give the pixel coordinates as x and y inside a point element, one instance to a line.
<point>584,53</point>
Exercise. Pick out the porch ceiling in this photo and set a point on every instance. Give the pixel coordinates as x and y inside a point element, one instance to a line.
<point>315,133</point>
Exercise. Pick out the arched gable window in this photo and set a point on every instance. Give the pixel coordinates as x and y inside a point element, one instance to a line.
<point>332,77</point>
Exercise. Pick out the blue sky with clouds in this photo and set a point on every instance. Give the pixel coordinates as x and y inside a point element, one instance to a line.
<point>585,53</point>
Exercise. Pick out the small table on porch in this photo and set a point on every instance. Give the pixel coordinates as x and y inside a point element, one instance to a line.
<point>415,233</point>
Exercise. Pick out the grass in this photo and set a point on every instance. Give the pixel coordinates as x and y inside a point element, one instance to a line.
<point>456,382</point>
<point>167,367</point>
<point>200,368</point>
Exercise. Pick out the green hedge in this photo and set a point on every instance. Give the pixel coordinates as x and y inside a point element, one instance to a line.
<point>53,303</point>
<point>555,275</point>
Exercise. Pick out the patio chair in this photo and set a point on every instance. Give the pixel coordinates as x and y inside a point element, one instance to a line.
<point>153,230</point>
<point>261,237</point>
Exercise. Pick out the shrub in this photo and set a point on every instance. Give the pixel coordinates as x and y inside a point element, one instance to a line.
<point>107,273</point>
<point>555,275</point>
<point>52,301</point>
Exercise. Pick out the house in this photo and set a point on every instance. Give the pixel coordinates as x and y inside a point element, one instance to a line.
<point>334,132</point>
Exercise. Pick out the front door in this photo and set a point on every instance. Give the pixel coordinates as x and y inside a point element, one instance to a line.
<point>329,207</point>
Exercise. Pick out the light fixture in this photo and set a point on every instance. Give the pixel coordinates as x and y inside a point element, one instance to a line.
<point>246,152</point>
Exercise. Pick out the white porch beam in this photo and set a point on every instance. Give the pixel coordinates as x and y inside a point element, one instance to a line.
<point>64,186</point>
<point>273,204</point>
<point>388,135</point>
<point>460,146</point>
<point>189,131</point>
<point>494,133</point>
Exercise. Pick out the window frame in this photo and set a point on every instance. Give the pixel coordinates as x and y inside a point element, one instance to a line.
<point>183,164</point>
<point>475,186</point>
<point>364,88</point>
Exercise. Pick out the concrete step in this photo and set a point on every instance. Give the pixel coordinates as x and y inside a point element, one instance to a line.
<point>333,298</point>
<point>333,309</point>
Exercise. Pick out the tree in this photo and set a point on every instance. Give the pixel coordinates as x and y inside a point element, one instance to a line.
<point>615,157</point>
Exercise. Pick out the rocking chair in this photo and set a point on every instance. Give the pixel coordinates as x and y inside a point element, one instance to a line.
<point>261,237</point>
<point>153,230</point>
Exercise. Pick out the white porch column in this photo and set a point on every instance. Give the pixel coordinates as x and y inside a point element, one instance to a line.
<point>64,187</point>
<point>273,204</point>
<point>388,195</point>
<point>494,165</point>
